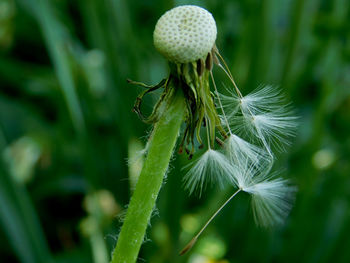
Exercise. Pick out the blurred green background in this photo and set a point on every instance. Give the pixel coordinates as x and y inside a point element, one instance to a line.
<point>67,132</point>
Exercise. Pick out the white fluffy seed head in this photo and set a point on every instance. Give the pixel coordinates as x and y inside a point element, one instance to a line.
<point>185,34</point>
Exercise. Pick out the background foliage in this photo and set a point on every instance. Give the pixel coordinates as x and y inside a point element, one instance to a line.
<point>66,130</point>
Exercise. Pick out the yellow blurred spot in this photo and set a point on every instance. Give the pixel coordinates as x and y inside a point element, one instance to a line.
<point>322,159</point>
<point>196,258</point>
<point>212,247</point>
<point>102,202</point>
<point>160,233</point>
<point>88,226</point>
<point>107,203</point>
<point>21,158</point>
<point>7,14</point>
<point>190,223</point>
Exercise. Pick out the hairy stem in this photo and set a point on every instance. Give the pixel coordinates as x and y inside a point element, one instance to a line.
<point>161,145</point>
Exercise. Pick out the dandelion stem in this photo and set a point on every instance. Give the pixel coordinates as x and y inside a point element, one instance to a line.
<point>161,145</point>
<point>194,239</point>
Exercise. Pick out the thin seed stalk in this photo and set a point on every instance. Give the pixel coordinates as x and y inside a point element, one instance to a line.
<point>161,146</point>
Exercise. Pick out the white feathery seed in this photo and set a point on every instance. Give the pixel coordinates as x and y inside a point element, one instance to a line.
<point>230,104</point>
<point>238,150</point>
<point>263,114</point>
<point>211,167</point>
<point>272,128</point>
<point>263,99</point>
<point>185,34</point>
<point>272,197</point>
<point>272,200</point>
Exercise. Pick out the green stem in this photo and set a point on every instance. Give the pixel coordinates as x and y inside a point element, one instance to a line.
<point>99,251</point>
<point>161,146</point>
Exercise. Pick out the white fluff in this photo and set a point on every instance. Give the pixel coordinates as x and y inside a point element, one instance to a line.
<point>272,128</point>
<point>238,150</point>
<point>263,99</point>
<point>256,124</point>
<point>271,201</point>
<point>230,104</point>
<point>211,167</point>
<point>263,114</point>
<point>272,196</point>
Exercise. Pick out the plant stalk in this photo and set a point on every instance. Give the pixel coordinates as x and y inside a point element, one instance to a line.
<point>161,146</point>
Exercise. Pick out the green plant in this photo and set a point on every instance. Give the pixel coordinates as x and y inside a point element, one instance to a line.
<point>186,37</point>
